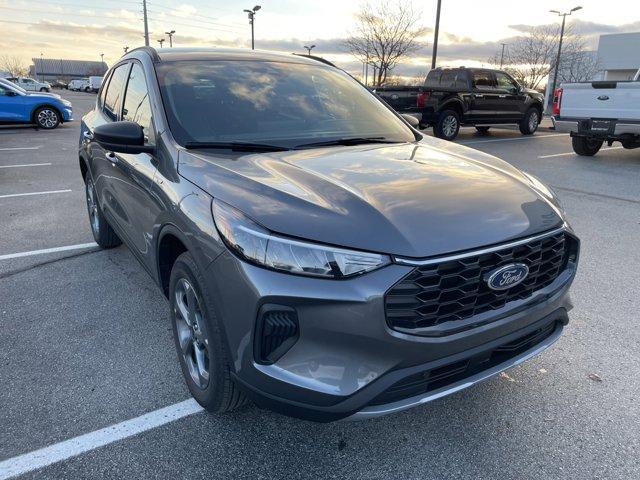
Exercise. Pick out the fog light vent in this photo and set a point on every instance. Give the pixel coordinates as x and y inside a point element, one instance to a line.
<point>276,332</point>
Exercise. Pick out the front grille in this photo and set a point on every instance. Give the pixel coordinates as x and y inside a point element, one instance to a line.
<point>430,380</point>
<point>457,289</point>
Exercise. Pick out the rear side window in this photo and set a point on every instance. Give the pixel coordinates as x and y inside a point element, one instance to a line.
<point>433,79</point>
<point>483,79</point>
<point>114,91</point>
<point>136,101</point>
<point>448,79</point>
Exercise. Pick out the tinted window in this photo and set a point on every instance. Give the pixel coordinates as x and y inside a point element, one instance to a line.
<point>285,104</point>
<point>448,79</point>
<point>433,78</point>
<point>103,92</point>
<point>136,101</point>
<point>114,91</point>
<point>482,79</point>
<point>504,81</point>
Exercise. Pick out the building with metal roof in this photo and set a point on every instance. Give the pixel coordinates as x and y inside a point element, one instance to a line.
<point>51,69</point>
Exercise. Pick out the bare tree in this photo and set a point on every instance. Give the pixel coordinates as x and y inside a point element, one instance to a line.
<point>384,34</point>
<point>578,66</point>
<point>530,58</point>
<point>14,65</point>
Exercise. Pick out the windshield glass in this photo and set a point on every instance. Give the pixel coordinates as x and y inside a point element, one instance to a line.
<point>285,104</point>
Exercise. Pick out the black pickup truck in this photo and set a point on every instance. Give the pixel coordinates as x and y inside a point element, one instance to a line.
<point>451,97</point>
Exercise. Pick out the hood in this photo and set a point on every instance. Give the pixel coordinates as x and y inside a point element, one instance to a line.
<point>44,94</point>
<point>530,91</point>
<point>413,200</point>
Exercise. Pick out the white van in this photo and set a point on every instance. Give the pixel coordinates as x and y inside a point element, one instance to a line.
<point>94,84</point>
<point>79,84</point>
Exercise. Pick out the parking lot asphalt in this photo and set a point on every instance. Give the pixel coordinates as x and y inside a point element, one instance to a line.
<point>86,343</point>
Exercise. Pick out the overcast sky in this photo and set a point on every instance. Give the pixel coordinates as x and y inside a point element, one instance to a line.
<point>471,30</point>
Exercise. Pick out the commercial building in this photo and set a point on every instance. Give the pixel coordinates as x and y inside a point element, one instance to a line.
<point>51,69</point>
<point>619,56</point>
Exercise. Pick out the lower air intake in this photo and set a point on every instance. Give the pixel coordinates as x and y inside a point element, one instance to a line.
<point>277,330</point>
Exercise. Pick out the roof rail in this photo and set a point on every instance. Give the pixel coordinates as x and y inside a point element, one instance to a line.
<point>317,59</point>
<point>150,50</point>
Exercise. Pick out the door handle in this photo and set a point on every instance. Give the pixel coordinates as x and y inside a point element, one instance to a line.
<point>88,135</point>
<point>478,95</point>
<point>502,96</point>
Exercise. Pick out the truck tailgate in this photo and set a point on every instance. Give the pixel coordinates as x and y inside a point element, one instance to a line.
<point>603,99</point>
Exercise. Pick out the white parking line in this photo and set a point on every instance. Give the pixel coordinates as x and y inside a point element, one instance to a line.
<point>18,148</point>
<point>34,193</point>
<point>79,246</point>
<point>90,441</point>
<point>524,137</point>
<point>26,165</point>
<point>574,153</point>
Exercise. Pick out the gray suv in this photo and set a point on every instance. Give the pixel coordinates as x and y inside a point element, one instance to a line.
<point>320,256</point>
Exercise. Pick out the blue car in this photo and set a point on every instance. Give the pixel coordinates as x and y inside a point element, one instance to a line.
<point>45,110</point>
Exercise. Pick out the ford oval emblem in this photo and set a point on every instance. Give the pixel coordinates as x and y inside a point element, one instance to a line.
<point>603,97</point>
<point>507,276</point>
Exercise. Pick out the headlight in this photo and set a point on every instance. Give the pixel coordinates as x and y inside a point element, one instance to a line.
<point>66,103</point>
<point>256,244</point>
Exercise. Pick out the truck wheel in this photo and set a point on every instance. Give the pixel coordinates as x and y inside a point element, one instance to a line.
<point>482,130</point>
<point>530,121</point>
<point>103,234</point>
<point>87,89</point>
<point>203,357</point>
<point>586,147</point>
<point>43,89</point>
<point>447,125</point>
<point>47,118</point>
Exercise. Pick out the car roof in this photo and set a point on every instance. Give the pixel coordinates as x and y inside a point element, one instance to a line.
<point>181,54</point>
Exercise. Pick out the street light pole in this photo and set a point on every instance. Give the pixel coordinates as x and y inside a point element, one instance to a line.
<point>102,58</point>
<point>309,48</point>
<point>146,23</point>
<point>557,66</point>
<point>252,15</point>
<point>434,55</point>
<point>170,37</point>
<point>161,41</point>
<point>126,49</point>
<point>41,74</point>
<point>502,55</point>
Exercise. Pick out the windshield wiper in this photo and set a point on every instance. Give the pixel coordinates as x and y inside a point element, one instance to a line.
<point>346,142</point>
<point>237,146</point>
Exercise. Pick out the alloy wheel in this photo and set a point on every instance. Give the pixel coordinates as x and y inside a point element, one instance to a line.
<point>192,334</point>
<point>47,118</point>
<point>449,125</point>
<point>92,206</point>
<point>533,121</point>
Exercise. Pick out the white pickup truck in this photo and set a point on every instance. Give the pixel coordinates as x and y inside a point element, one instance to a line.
<point>597,112</point>
<point>30,84</point>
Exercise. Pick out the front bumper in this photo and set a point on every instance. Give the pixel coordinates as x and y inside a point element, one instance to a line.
<point>346,355</point>
<point>67,114</point>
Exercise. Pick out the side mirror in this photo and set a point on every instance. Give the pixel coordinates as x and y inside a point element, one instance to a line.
<point>411,120</point>
<point>10,93</point>
<point>121,137</point>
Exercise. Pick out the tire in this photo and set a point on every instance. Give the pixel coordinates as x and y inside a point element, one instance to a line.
<point>87,89</point>
<point>448,125</point>
<point>202,348</point>
<point>530,122</point>
<point>103,234</point>
<point>587,147</point>
<point>46,118</point>
<point>482,130</point>
<point>43,89</point>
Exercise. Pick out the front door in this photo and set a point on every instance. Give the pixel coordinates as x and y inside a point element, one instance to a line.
<point>510,99</point>
<point>135,186</point>
<point>13,107</point>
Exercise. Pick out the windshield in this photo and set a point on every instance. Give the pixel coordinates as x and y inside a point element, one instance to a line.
<point>286,104</point>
